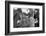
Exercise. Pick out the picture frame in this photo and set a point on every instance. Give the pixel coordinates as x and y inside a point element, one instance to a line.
<point>9,5</point>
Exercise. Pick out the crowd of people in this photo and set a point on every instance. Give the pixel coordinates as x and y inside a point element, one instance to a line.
<point>22,19</point>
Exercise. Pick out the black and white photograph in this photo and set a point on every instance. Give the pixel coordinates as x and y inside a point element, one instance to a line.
<point>24,17</point>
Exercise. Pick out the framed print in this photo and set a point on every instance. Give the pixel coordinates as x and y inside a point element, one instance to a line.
<point>24,17</point>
